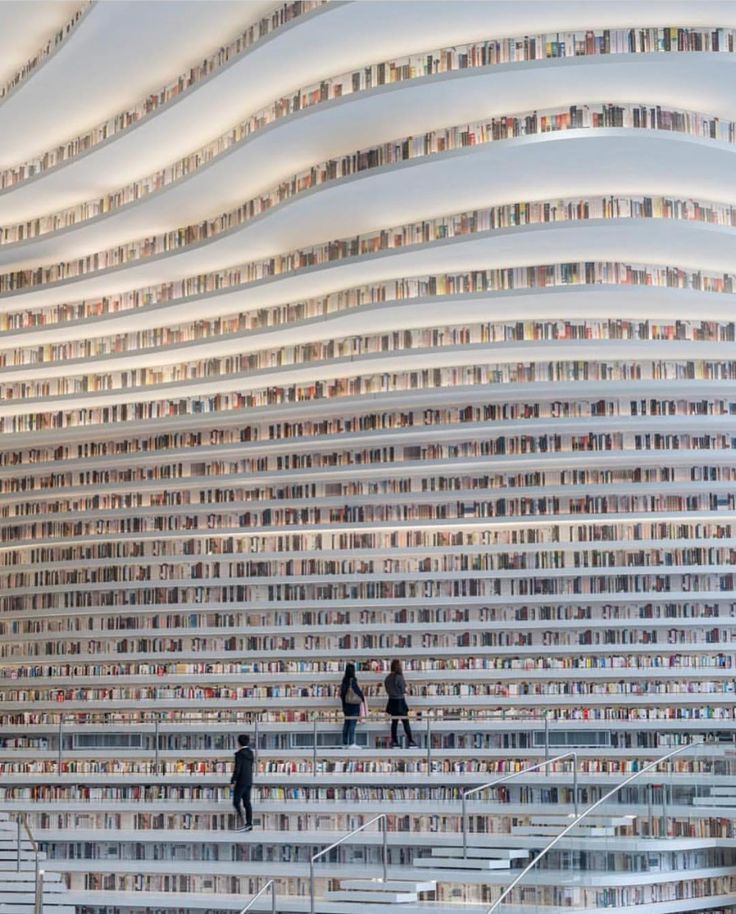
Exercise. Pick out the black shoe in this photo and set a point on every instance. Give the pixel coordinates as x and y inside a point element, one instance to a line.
<point>394,746</point>
<point>247,828</point>
<point>412,745</point>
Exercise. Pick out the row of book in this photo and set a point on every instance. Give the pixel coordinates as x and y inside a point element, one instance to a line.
<point>472,222</point>
<point>183,456</point>
<point>370,671</point>
<point>558,330</point>
<point>29,66</point>
<point>149,568</point>
<point>265,26</point>
<point>67,413</point>
<point>20,526</point>
<point>587,535</point>
<point>432,143</point>
<point>89,566</point>
<point>619,689</point>
<point>460,57</point>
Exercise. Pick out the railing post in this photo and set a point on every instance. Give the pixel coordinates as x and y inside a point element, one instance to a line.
<point>465,824</point>
<point>575,782</point>
<point>384,849</point>
<point>546,737</point>
<point>429,746</point>
<point>314,746</point>
<point>38,902</point>
<point>60,749</point>
<point>273,887</point>
<point>18,823</point>
<point>664,802</point>
<point>38,898</point>
<point>255,742</point>
<point>156,727</point>
<point>311,887</point>
<point>650,788</point>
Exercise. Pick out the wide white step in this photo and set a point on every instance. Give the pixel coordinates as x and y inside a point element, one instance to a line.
<point>596,832</point>
<point>28,886</point>
<point>588,822</point>
<point>499,853</point>
<point>374,897</point>
<point>461,863</point>
<point>397,885</point>
<point>13,907</point>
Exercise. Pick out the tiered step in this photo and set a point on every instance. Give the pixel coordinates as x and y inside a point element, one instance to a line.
<point>18,882</point>
<point>476,858</point>
<point>374,891</point>
<point>593,826</point>
<point>18,893</point>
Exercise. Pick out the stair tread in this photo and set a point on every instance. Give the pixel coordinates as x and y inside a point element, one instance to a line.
<point>501,853</point>
<point>408,885</point>
<point>374,897</point>
<point>463,863</point>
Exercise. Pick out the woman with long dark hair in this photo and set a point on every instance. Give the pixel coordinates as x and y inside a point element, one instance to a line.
<point>395,686</point>
<point>352,697</point>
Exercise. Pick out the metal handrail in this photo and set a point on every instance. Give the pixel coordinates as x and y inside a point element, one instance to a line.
<point>509,777</point>
<point>384,856</point>
<point>256,721</point>
<point>22,823</point>
<point>272,883</point>
<point>586,812</point>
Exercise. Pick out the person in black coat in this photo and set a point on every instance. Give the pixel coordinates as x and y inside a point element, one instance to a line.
<point>396,706</point>
<point>351,696</point>
<point>242,782</point>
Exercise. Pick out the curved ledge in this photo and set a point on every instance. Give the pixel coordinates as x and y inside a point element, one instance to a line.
<point>98,71</point>
<point>360,405</point>
<point>267,169</point>
<point>562,520</point>
<point>372,364</point>
<point>322,501</point>
<point>32,33</point>
<point>544,463</point>
<point>551,459</point>
<point>569,163</point>
<point>357,120</point>
<point>544,303</point>
<point>357,38</point>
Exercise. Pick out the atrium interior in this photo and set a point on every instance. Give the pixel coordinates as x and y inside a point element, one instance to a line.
<point>368,409</point>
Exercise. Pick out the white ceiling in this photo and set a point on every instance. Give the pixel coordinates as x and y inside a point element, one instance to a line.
<point>27,26</point>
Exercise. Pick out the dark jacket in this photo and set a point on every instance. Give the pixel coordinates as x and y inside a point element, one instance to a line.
<point>243,770</point>
<point>395,686</point>
<point>350,710</point>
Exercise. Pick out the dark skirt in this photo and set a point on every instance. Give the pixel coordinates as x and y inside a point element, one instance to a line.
<point>397,707</point>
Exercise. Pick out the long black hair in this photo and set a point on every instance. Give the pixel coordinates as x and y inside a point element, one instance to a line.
<point>349,672</point>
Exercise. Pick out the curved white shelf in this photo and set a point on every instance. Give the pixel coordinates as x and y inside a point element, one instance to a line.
<point>401,360</point>
<point>349,406</point>
<point>97,71</point>
<point>356,121</point>
<point>579,162</point>
<point>26,27</point>
<point>552,304</point>
<point>219,602</point>
<point>338,39</point>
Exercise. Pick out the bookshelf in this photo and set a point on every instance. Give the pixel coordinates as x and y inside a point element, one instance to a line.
<point>335,170</point>
<point>229,469</point>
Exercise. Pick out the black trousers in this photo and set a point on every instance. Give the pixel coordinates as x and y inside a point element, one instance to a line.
<point>241,794</point>
<point>395,728</point>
